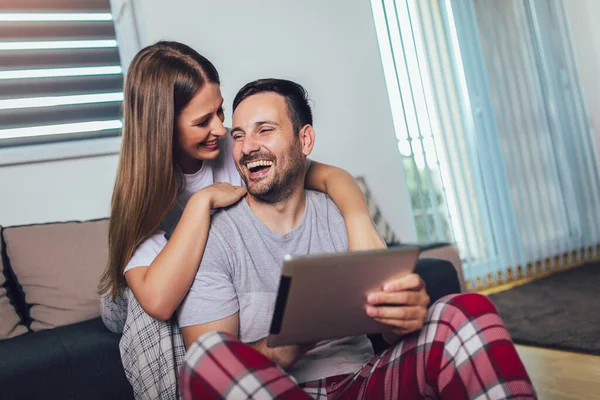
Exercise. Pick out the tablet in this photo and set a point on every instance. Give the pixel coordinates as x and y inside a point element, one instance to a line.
<point>324,296</point>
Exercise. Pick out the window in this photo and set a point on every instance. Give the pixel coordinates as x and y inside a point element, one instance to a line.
<point>493,132</point>
<point>60,73</point>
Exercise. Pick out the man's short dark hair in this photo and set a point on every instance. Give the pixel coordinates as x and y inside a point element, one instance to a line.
<point>295,96</point>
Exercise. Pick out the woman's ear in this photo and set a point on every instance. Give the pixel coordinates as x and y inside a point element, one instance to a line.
<point>307,139</point>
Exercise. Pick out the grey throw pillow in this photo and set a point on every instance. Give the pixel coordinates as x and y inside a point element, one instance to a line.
<point>59,267</point>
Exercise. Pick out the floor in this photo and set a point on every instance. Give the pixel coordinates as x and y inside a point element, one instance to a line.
<point>562,375</point>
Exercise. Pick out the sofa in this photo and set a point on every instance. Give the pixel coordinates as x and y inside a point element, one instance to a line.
<point>53,345</point>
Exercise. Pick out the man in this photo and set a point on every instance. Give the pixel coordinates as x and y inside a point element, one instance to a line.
<point>464,351</point>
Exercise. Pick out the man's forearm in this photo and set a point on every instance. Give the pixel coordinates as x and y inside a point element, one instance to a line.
<point>285,356</point>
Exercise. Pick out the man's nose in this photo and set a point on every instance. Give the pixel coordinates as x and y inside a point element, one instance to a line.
<point>250,145</point>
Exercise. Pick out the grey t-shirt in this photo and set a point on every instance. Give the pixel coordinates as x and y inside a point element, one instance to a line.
<point>240,271</point>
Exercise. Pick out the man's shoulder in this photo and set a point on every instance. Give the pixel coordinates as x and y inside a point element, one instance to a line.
<point>225,221</point>
<point>317,197</point>
<point>323,203</point>
<point>226,214</point>
<point>224,241</point>
<point>328,218</point>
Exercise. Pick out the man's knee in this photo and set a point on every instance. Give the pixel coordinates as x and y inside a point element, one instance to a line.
<point>469,304</point>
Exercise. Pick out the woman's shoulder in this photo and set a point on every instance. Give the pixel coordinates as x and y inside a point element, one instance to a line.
<point>156,240</point>
<point>147,251</point>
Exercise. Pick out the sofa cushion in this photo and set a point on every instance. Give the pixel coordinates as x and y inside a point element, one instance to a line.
<point>448,252</point>
<point>59,268</point>
<point>441,251</point>
<point>79,361</point>
<point>385,230</point>
<point>9,320</point>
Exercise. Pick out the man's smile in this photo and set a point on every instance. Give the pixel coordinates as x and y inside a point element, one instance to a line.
<point>259,168</point>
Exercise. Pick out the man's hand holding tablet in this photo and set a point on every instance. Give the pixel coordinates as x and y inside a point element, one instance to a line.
<point>402,304</point>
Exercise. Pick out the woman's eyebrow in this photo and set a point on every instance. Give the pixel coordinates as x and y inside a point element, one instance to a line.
<point>202,118</point>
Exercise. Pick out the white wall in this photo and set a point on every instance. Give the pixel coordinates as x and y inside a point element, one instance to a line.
<point>65,190</point>
<point>585,31</point>
<point>330,47</point>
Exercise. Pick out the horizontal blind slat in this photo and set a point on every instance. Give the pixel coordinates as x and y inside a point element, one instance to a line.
<point>60,138</point>
<point>61,58</point>
<point>60,86</point>
<point>21,31</point>
<point>55,6</point>
<point>27,117</point>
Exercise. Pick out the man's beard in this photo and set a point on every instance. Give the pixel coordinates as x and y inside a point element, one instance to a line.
<point>287,171</point>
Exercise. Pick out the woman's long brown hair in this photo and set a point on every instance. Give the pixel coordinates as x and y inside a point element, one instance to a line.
<point>160,82</point>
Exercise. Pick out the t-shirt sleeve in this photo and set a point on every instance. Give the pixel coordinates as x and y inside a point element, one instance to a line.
<point>147,251</point>
<point>212,296</point>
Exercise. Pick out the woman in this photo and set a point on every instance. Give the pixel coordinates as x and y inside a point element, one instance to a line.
<point>175,167</point>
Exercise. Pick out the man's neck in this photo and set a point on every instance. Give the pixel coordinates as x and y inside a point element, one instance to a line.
<point>280,217</point>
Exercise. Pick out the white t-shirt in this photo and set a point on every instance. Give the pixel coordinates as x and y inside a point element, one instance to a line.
<point>221,169</point>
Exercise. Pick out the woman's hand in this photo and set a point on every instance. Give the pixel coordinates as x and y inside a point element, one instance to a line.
<point>221,194</point>
<point>362,234</point>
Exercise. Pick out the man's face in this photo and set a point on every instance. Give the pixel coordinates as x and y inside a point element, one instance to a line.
<point>268,155</point>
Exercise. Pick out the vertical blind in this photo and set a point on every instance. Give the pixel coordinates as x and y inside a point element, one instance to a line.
<point>493,132</point>
<point>60,74</point>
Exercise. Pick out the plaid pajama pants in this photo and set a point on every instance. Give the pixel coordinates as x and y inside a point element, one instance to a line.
<point>463,352</point>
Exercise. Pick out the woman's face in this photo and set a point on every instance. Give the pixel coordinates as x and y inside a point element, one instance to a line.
<point>199,127</point>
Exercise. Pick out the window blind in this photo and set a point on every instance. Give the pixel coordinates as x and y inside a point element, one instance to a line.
<point>60,73</point>
<point>493,132</point>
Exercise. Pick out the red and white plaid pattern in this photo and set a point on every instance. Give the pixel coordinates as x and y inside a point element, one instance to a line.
<point>463,352</point>
<point>235,371</point>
